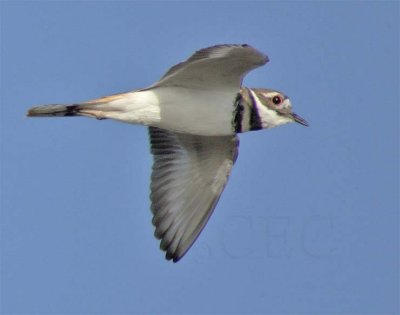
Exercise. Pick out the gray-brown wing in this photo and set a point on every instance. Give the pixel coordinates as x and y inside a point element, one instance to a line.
<point>189,175</point>
<point>214,67</point>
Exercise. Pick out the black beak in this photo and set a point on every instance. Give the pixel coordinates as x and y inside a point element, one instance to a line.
<point>299,120</point>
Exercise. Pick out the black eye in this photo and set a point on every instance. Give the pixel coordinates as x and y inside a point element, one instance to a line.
<point>276,100</point>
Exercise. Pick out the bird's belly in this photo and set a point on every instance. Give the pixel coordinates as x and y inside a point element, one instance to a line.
<point>198,112</point>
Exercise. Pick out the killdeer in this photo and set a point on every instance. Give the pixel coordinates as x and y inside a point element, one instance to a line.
<point>193,113</point>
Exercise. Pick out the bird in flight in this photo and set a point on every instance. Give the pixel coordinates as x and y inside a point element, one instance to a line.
<point>193,113</point>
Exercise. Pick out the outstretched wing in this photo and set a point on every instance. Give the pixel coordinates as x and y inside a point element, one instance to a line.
<point>189,175</point>
<point>214,67</point>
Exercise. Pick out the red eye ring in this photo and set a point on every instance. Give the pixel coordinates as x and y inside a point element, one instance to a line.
<point>277,100</point>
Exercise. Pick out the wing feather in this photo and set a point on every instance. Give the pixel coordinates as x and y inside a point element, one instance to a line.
<point>189,175</point>
<point>214,67</point>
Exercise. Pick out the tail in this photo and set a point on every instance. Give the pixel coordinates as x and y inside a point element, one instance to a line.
<point>55,110</point>
<point>93,110</point>
<point>100,108</point>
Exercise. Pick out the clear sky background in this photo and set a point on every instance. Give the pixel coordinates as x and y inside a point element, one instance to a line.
<point>309,221</point>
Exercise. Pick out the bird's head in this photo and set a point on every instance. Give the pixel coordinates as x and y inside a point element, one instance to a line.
<point>273,108</point>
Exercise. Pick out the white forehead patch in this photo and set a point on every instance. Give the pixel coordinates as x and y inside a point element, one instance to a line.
<point>271,94</point>
<point>286,103</point>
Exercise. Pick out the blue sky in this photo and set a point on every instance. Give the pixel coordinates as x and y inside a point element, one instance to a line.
<point>309,221</point>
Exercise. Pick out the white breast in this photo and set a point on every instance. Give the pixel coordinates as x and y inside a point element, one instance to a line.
<point>201,112</point>
<point>193,111</point>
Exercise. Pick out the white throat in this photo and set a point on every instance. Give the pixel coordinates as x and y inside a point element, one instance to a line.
<point>269,117</point>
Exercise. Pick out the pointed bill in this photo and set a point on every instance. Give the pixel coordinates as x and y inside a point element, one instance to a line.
<point>299,120</point>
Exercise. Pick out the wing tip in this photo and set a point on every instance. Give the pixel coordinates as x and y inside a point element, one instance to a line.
<point>177,255</point>
<point>173,257</point>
